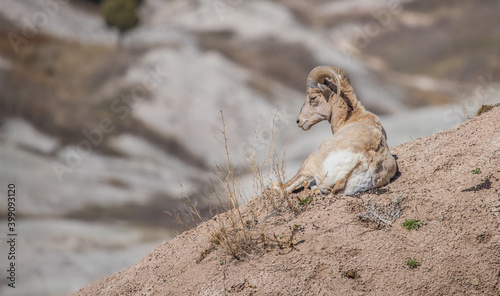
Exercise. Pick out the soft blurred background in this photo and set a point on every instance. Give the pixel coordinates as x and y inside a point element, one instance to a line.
<point>107,106</point>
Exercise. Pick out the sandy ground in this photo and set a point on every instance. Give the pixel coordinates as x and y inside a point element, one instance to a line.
<point>457,246</point>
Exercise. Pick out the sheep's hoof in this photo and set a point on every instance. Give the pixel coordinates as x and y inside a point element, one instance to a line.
<point>315,190</point>
<point>325,191</point>
<point>318,190</point>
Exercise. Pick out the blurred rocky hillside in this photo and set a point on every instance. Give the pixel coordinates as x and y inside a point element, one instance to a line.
<point>99,127</point>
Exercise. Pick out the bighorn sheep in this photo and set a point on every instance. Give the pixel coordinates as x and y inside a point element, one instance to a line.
<point>356,158</point>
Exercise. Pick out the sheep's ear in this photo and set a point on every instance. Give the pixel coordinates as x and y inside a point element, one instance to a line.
<point>327,92</point>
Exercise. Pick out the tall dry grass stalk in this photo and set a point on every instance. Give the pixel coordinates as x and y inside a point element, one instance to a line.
<point>271,167</point>
<point>237,232</point>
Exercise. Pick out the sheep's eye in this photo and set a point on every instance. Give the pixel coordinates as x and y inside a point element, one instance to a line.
<point>313,100</point>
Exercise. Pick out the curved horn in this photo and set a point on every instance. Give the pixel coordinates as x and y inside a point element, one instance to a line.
<point>320,73</point>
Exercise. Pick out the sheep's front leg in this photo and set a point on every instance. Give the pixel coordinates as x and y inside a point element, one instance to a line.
<point>302,179</point>
<point>298,181</point>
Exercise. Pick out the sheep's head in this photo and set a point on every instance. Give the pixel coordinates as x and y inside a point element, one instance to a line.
<point>322,85</point>
<point>315,109</point>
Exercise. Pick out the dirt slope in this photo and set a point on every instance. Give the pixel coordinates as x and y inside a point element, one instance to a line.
<point>458,245</point>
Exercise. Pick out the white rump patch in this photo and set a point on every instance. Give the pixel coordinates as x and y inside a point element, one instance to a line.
<point>339,163</point>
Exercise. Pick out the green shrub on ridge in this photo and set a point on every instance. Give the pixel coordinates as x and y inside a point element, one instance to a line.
<point>120,13</point>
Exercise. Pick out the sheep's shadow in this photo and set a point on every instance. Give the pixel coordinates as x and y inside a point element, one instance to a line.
<point>398,172</point>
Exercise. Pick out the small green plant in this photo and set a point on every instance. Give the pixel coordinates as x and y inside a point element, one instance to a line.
<point>412,263</point>
<point>305,201</point>
<point>476,171</point>
<point>484,108</point>
<point>411,224</point>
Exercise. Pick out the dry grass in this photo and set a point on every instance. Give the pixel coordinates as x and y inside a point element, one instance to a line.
<point>237,232</point>
<point>380,214</point>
